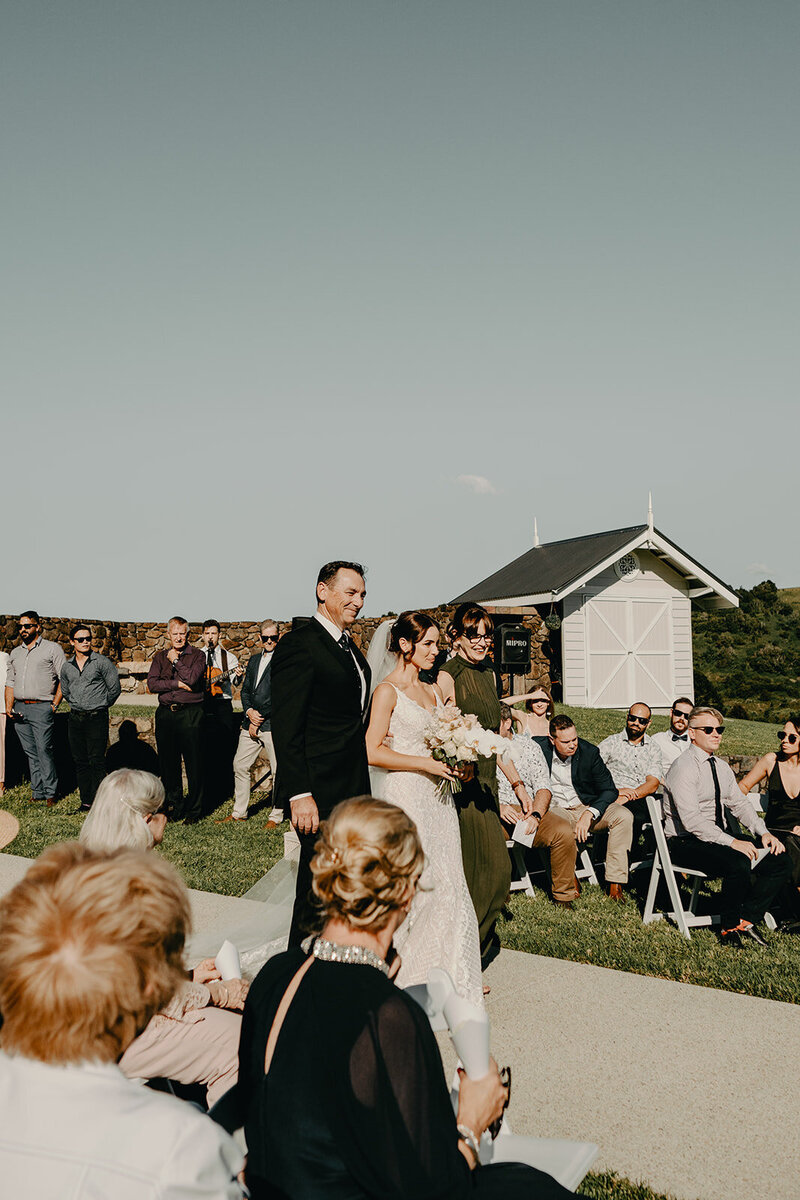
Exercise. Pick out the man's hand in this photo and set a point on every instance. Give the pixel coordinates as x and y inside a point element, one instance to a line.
<point>253,731</point>
<point>772,844</point>
<point>582,828</point>
<point>625,795</point>
<point>305,814</point>
<point>173,655</point>
<point>183,685</point>
<point>509,815</point>
<point>524,799</point>
<point>747,848</point>
<point>254,717</point>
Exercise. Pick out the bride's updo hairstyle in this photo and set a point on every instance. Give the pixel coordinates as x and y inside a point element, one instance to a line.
<point>412,627</point>
<point>367,854</point>
<point>466,620</point>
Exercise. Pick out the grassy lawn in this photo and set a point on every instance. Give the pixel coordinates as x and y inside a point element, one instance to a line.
<point>607,1185</point>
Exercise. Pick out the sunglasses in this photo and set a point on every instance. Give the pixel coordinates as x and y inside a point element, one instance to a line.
<point>269,637</point>
<point>709,728</point>
<point>638,720</point>
<point>82,639</point>
<point>791,738</point>
<point>27,627</point>
<point>681,712</point>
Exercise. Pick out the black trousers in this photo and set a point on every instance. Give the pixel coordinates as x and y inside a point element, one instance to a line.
<point>88,740</point>
<point>746,894</point>
<point>305,918</point>
<point>220,737</point>
<point>179,735</point>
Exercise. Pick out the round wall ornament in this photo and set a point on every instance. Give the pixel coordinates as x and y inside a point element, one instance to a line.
<point>627,567</point>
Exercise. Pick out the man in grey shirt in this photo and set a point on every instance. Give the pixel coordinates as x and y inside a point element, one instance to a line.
<point>90,683</point>
<point>699,787</point>
<point>33,693</point>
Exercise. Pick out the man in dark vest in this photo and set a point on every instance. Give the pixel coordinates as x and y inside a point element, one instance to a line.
<point>320,689</point>
<point>256,732</point>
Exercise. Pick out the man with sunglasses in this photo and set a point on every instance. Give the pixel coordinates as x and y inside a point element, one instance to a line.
<point>673,741</point>
<point>33,693</point>
<point>635,764</point>
<point>90,685</point>
<point>699,787</point>
<point>256,732</point>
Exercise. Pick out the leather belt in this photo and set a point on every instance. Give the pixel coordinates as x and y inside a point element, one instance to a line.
<point>34,701</point>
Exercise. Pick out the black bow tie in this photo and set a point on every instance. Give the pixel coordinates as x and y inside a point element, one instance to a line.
<point>680,737</point>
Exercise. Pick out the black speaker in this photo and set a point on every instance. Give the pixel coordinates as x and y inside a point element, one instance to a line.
<point>513,649</point>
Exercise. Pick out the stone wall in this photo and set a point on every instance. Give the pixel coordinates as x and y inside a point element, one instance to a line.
<point>136,642</point>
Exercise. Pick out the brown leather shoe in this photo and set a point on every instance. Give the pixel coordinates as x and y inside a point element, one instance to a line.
<point>227,820</point>
<point>578,888</point>
<point>271,825</point>
<point>564,904</point>
<point>615,891</point>
<point>50,802</point>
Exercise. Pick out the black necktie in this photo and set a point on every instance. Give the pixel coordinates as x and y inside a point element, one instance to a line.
<point>680,737</point>
<point>718,817</point>
<point>344,642</point>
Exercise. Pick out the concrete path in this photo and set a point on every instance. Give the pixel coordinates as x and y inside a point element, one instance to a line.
<point>689,1089</point>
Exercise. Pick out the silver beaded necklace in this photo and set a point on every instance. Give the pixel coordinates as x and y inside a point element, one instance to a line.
<point>327,951</point>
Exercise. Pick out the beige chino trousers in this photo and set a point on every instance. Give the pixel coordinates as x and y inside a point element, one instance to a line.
<point>247,752</point>
<point>618,821</point>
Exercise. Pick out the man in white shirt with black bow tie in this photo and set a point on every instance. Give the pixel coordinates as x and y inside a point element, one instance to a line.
<point>673,741</point>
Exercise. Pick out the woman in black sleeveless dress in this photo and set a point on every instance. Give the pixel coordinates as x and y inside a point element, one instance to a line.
<point>782,772</point>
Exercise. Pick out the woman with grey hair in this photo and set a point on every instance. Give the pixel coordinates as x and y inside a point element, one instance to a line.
<point>191,1040</point>
<point>128,812</point>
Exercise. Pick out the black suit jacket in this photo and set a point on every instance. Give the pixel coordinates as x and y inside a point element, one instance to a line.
<point>591,777</point>
<point>257,697</point>
<point>318,719</point>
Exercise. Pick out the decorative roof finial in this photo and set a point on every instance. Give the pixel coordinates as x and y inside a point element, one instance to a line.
<point>535,533</point>
<point>649,510</point>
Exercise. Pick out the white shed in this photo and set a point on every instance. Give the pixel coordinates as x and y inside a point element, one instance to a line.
<point>624,599</point>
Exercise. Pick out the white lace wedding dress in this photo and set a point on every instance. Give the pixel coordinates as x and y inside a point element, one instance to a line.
<point>441,930</point>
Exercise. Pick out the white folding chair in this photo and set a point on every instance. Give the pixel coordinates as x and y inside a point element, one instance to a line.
<point>523,881</point>
<point>684,918</point>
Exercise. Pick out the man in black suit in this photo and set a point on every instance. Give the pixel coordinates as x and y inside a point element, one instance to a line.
<point>583,791</point>
<point>320,688</point>
<point>256,732</point>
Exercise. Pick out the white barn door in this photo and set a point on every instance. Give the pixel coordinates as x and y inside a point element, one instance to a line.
<point>629,651</point>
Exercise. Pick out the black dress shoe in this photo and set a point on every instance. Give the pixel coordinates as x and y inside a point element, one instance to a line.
<point>792,926</point>
<point>746,935</point>
<point>192,820</point>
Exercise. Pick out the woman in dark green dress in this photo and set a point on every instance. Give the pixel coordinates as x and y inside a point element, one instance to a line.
<point>468,681</point>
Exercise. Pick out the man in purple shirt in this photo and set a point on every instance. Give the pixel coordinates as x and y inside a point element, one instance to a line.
<point>176,677</point>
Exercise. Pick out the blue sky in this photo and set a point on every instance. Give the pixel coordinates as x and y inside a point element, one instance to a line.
<point>285,282</point>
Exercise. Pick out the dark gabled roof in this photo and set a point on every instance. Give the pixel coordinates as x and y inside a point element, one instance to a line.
<point>551,567</point>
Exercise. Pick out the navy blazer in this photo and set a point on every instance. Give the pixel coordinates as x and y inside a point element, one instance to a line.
<point>260,697</point>
<point>591,777</point>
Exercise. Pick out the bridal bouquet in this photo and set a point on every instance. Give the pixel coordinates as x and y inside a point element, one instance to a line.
<point>457,739</point>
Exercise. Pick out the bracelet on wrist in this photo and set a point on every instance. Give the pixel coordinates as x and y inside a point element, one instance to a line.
<point>466,1135</point>
<point>516,785</point>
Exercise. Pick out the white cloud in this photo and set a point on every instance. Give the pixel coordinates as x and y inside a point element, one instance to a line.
<point>479,484</point>
<point>757,569</point>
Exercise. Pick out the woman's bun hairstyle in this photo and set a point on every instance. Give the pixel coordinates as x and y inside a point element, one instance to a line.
<point>366,856</point>
<point>412,627</point>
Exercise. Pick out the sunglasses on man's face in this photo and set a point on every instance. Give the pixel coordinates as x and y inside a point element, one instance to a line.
<point>709,728</point>
<point>82,639</point>
<point>269,637</point>
<point>27,626</point>
<point>681,712</point>
<point>791,738</point>
<point>637,720</point>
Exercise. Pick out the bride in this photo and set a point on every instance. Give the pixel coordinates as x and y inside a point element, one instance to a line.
<point>442,930</point>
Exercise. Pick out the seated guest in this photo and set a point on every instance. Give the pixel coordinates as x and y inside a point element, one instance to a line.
<point>699,787</point>
<point>191,1040</point>
<point>90,949</point>
<point>584,792</point>
<point>539,712</point>
<point>634,762</point>
<point>551,830</point>
<point>340,1074</point>
<point>782,772</point>
<point>673,741</point>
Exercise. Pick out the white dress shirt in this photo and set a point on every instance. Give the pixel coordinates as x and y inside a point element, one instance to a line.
<point>266,659</point>
<point>336,634</point>
<point>669,748</point>
<point>690,803</point>
<point>561,785</point>
<point>84,1131</point>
